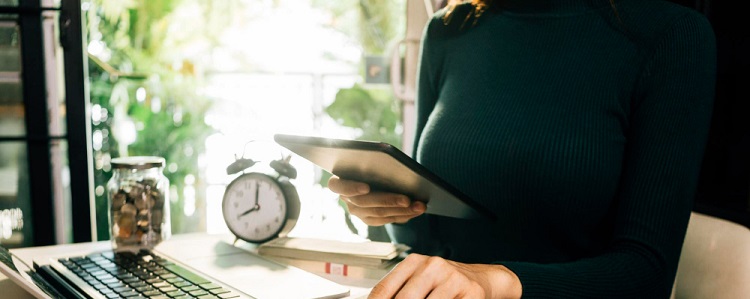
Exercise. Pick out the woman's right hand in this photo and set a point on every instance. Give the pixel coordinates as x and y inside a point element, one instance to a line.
<point>375,208</point>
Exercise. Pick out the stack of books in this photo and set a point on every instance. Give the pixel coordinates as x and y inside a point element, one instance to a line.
<point>369,259</point>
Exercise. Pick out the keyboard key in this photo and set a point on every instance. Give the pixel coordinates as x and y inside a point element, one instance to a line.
<point>109,279</point>
<point>118,271</point>
<point>174,280</point>
<point>98,286</point>
<point>76,259</point>
<point>168,289</point>
<point>176,293</point>
<point>105,276</point>
<point>161,284</point>
<point>111,268</point>
<point>218,291</point>
<point>145,288</point>
<point>197,293</point>
<point>186,274</point>
<point>105,291</point>
<point>152,293</point>
<point>130,293</point>
<point>95,256</point>
<point>138,284</point>
<point>166,275</point>
<point>116,285</point>
<point>154,280</point>
<point>67,263</point>
<point>122,289</point>
<point>123,276</point>
<point>90,279</point>
<point>113,296</point>
<point>142,275</point>
<point>190,288</point>
<point>210,286</point>
<point>103,262</point>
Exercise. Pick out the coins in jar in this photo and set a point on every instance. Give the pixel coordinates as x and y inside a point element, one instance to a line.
<point>138,200</point>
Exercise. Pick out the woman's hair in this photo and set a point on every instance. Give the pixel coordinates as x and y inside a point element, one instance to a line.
<point>480,6</point>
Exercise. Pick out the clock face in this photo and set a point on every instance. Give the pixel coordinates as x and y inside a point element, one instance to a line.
<point>254,207</point>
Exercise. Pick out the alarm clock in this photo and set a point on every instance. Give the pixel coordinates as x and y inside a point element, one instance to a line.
<point>257,206</point>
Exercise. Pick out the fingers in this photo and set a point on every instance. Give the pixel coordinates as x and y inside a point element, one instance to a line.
<point>379,221</point>
<point>420,276</point>
<point>414,209</point>
<point>455,289</point>
<point>347,187</point>
<point>426,278</point>
<point>376,210</point>
<point>394,280</point>
<point>381,212</point>
<point>380,200</point>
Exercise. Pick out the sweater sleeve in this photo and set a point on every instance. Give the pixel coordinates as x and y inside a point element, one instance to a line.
<point>667,132</point>
<point>427,79</point>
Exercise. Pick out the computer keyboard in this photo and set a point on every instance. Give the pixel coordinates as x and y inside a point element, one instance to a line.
<point>142,275</point>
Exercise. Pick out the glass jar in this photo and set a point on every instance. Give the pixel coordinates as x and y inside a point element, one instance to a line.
<point>138,201</point>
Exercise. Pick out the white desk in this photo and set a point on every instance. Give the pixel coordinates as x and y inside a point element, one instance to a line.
<point>359,287</point>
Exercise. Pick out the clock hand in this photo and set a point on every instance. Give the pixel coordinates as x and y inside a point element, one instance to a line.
<point>253,209</point>
<point>257,187</point>
<point>256,206</point>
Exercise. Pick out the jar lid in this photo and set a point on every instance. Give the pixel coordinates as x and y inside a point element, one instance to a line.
<point>137,162</point>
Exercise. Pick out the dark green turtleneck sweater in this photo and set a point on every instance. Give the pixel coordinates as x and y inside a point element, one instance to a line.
<point>583,132</point>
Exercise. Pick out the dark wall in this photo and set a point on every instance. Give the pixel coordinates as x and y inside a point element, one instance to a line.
<point>724,188</point>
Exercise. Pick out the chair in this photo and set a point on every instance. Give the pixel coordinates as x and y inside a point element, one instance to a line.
<point>715,260</point>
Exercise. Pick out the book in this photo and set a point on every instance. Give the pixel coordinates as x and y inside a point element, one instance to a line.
<point>368,253</point>
<point>324,269</point>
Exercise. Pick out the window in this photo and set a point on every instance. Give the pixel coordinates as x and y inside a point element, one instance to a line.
<point>34,139</point>
<point>203,82</point>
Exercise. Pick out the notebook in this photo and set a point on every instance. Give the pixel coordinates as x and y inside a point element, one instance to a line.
<point>191,267</point>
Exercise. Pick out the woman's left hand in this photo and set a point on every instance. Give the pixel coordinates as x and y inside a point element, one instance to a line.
<point>419,276</point>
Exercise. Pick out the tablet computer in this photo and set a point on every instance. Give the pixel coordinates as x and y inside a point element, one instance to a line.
<point>385,168</point>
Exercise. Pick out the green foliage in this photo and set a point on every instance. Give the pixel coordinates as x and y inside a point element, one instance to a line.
<point>377,115</point>
<point>373,111</point>
<point>375,23</point>
<point>168,116</point>
<point>143,45</point>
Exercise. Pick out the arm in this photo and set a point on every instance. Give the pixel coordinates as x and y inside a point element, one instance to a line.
<point>427,79</point>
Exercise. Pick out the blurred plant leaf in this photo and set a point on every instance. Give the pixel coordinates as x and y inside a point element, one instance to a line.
<point>375,112</point>
<point>133,38</point>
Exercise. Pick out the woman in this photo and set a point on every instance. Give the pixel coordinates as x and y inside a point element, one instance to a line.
<point>580,123</point>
